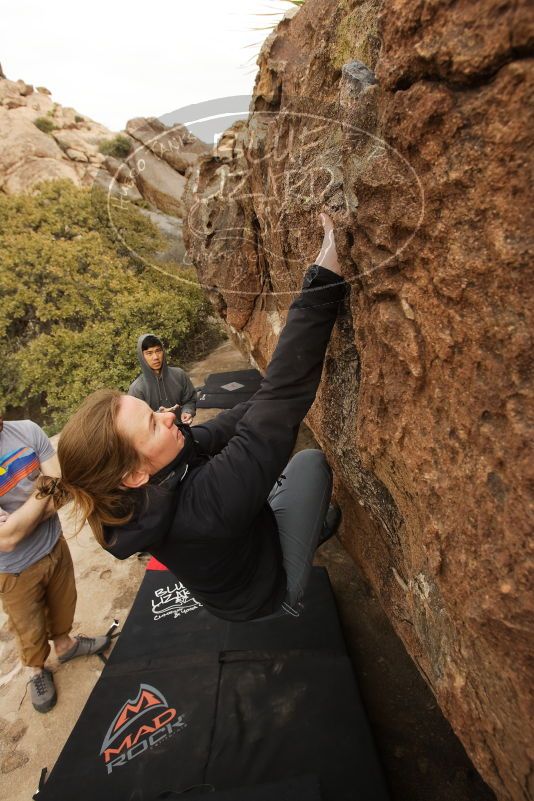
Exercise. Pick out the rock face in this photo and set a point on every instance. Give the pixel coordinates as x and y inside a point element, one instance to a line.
<point>420,151</point>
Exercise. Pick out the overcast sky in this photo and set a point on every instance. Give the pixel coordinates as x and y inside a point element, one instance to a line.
<point>114,60</point>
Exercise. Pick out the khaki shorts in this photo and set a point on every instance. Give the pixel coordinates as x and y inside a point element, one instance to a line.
<point>40,602</point>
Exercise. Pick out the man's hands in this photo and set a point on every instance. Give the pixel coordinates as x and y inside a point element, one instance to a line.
<point>185,417</point>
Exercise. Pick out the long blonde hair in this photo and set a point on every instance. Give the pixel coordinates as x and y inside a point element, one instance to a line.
<point>94,457</point>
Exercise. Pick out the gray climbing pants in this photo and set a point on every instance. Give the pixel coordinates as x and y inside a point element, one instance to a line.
<point>300,500</point>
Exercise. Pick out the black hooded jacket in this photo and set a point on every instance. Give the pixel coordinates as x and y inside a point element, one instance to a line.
<point>206,516</point>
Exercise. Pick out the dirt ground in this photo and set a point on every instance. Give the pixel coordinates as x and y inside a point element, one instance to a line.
<point>422,758</point>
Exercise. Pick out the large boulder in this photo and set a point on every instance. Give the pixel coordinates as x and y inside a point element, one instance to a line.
<point>172,230</point>
<point>34,170</point>
<point>420,150</point>
<point>85,141</point>
<point>177,146</point>
<point>28,155</point>
<point>157,181</point>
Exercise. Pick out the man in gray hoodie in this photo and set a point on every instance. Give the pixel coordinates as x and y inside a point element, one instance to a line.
<point>164,388</point>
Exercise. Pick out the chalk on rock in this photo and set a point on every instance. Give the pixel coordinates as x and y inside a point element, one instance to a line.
<point>359,77</point>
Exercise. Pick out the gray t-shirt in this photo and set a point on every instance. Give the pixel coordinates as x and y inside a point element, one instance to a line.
<point>23,446</point>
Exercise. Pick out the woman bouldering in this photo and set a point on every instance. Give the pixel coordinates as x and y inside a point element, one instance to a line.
<point>220,504</point>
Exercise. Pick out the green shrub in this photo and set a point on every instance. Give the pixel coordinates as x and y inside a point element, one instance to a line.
<point>74,300</point>
<point>119,146</point>
<point>44,124</point>
<point>78,118</point>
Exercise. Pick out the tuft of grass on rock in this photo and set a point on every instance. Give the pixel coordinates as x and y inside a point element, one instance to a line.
<point>357,36</point>
<point>44,124</point>
<point>119,147</point>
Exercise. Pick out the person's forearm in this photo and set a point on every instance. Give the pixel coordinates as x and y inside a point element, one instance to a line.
<point>294,372</point>
<point>21,523</point>
<point>215,434</point>
<point>265,435</point>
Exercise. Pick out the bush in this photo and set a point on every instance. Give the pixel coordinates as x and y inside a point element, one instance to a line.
<point>79,118</point>
<point>44,124</point>
<point>75,302</point>
<point>119,147</point>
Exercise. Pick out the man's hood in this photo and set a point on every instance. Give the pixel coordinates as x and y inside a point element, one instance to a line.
<point>148,374</point>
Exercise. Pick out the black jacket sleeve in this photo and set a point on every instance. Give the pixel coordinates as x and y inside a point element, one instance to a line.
<point>213,435</point>
<point>233,486</point>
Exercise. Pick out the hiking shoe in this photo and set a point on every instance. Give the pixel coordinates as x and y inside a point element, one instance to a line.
<point>42,690</point>
<point>331,523</point>
<point>85,646</point>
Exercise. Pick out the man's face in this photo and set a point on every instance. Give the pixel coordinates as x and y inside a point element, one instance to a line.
<point>153,434</point>
<point>154,357</point>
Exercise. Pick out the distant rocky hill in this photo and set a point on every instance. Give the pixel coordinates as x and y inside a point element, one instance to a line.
<point>43,140</point>
<point>28,155</point>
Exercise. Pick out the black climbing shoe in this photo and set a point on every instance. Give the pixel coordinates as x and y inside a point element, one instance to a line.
<point>331,523</point>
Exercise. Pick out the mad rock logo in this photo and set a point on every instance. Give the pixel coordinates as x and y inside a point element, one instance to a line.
<point>138,726</point>
<point>173,601</point>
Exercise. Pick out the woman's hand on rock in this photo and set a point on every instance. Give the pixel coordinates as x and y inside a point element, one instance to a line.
<point>328,254</point>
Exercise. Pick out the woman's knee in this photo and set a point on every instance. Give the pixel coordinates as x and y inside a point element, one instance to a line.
<point>311,456</point>
<point>311,459</point>
<point>308,471</point>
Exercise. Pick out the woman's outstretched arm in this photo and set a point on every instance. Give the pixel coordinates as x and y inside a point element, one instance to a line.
<point>215,434</point>
<point>234,485</point>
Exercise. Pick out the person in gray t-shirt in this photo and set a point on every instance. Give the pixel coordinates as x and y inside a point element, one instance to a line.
<point>37,586</point>
<point>24,448</point>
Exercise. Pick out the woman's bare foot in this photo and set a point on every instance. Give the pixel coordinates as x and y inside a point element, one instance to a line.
<point>328,254</point>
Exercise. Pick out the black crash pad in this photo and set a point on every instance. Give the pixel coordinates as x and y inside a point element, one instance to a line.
<point>192,704</point>
<point>226,390</point>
